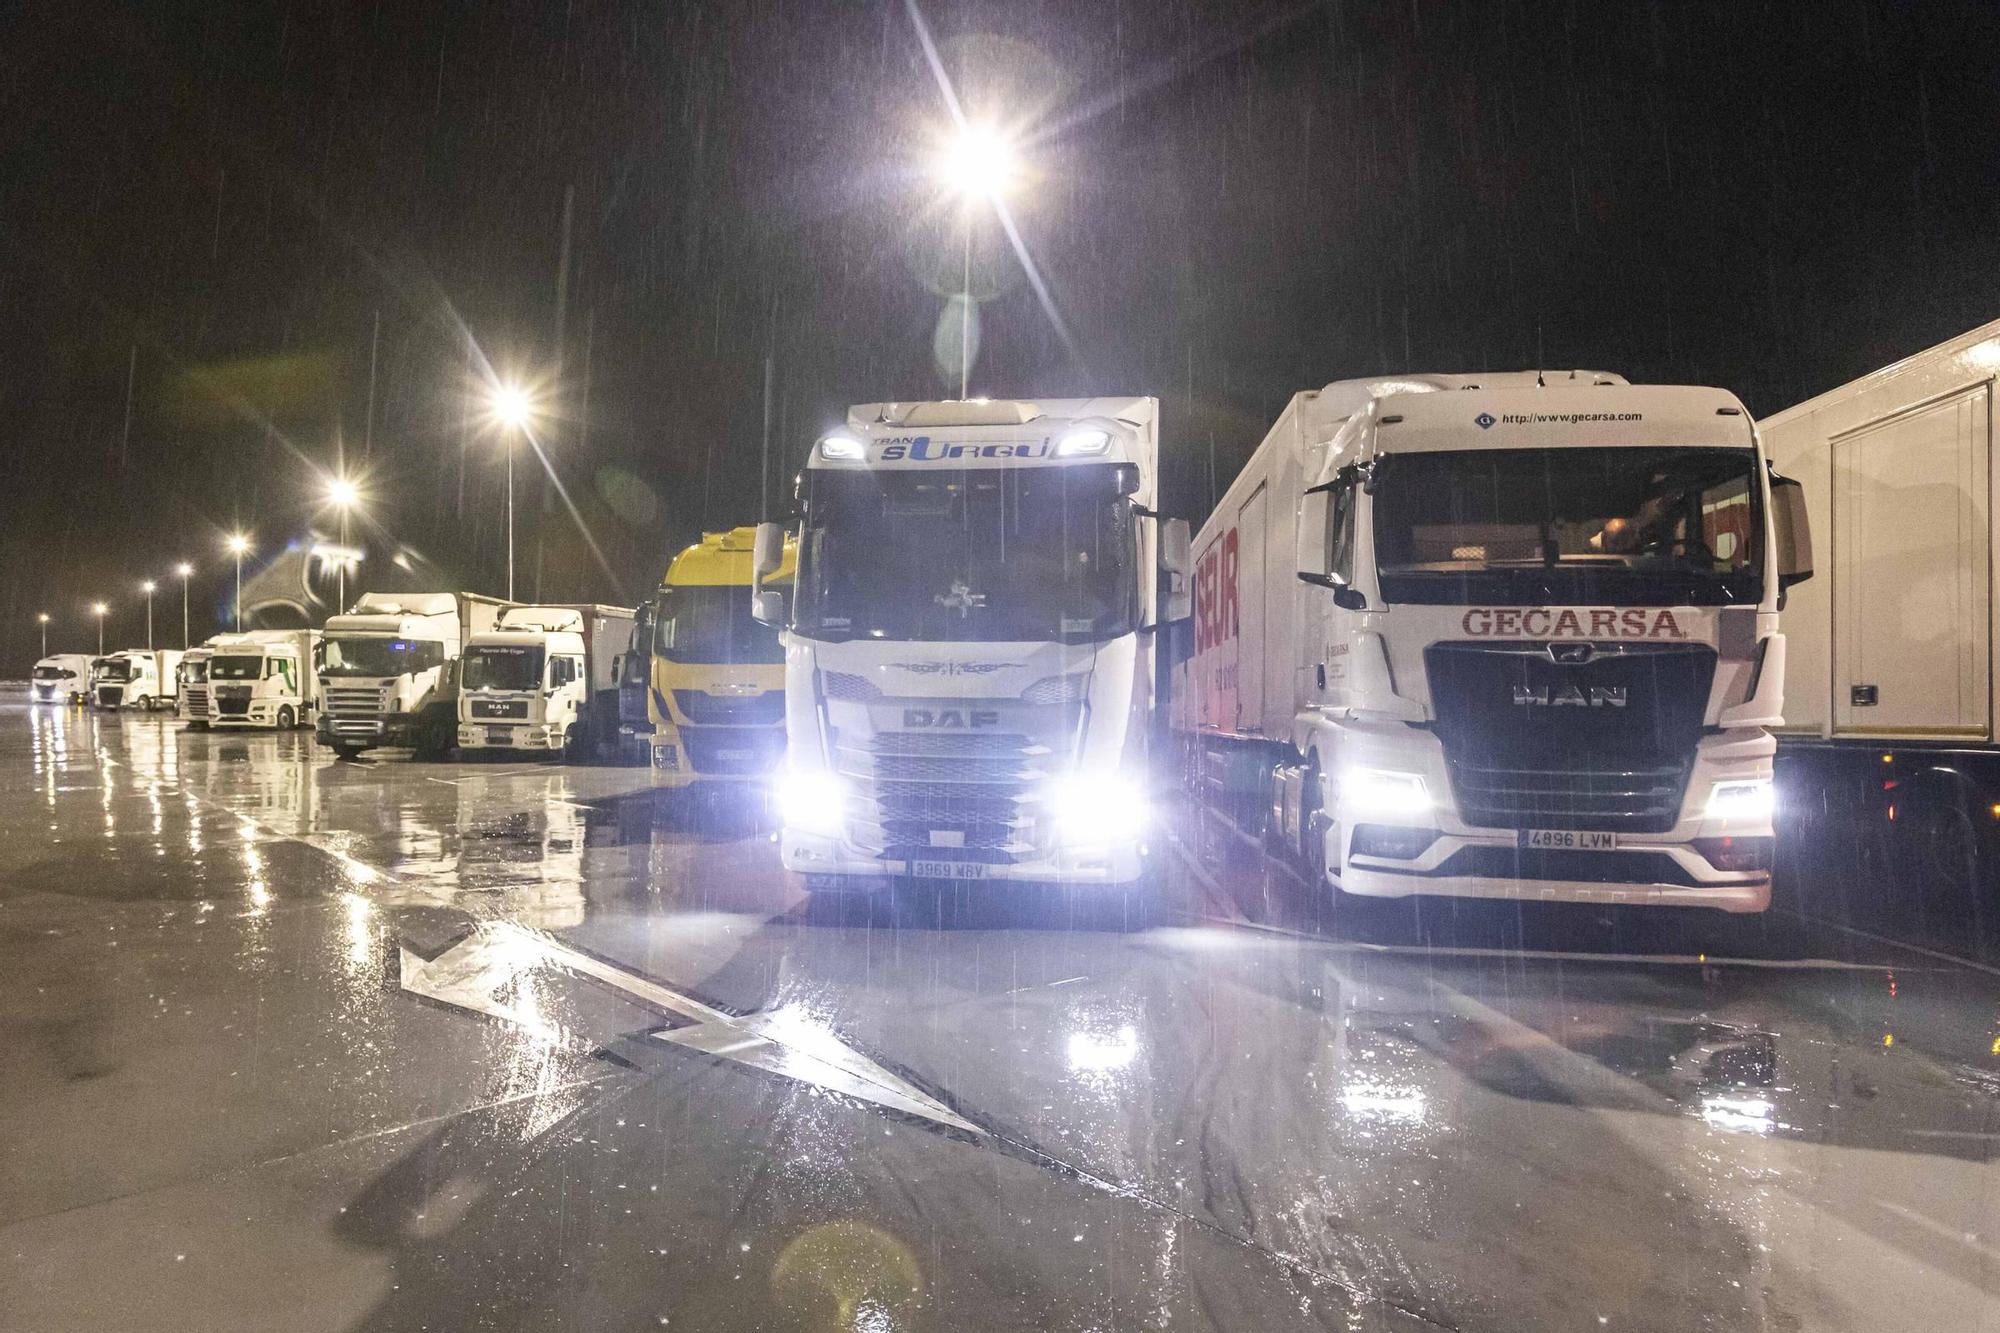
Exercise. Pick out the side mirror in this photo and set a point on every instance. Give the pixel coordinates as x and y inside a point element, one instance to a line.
<point>767,606</point>
<point>768,552</point>
<point>1793,531</point>
<point>1176,547</point>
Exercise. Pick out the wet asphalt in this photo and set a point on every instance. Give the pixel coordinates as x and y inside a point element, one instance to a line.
<point>304,1044</point>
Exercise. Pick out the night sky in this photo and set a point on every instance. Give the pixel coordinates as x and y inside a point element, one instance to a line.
<point>220,205</point>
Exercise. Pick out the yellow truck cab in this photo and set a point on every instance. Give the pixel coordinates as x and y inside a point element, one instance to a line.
<point>717,696</point>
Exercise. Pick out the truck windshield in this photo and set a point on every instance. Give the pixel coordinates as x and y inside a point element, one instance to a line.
<point>118,668</point>
<point>503,666</point>
<point>235,667</point>
<point>1611,526</point>
<point>195,671</point>
<point>711,623</point>
<point>374,656</point>
<point>51,673</point>
<point>1020,554</point>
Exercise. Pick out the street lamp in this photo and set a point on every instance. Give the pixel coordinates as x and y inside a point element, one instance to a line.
<point>147,588</point>
<point>99,609</point>
<point>42,617</point>
<point>238,544</point>
<point>512,411</point>
<point>342,495</point>
<point>184,569</point>
<point>979,165</point>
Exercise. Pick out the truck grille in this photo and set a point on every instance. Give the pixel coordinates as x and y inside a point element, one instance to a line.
<point>196,699</point>
<point>354,713</point>
<point>232,702</point>
<point>733,751</point>
<point>710,710</point>
<point>1605,742</point>
<point>975,790</point>
<point>499,709</point>
<point>110,696</point>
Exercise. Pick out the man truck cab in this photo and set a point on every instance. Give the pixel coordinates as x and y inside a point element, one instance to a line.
<point>263,678</point>
<point>544,680</point>
<point>60,679</point>
<point>717,702</point>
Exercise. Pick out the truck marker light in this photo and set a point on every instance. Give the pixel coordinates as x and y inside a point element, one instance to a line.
<point>1096,808</point>
<point>1382,791</point>
<point>1078,443</point>
<point>842,448</point>
<point>1751,799</point>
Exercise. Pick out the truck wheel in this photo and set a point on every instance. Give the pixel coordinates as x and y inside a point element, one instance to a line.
<point>344,751</point>
<point>575,749</point>
<point>1312,829</point>
<point>286,718</point>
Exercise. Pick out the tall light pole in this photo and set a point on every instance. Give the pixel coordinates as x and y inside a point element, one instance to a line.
<point>979,165</point>
<point>238,544</point>
<point>42,617</point>
<point>342,495</point>
<point>98,609</point>
<point>147,588</point>
<point>184,569</point>
<point>512,410</point>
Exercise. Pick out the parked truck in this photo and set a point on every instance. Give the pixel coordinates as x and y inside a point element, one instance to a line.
<point>1894,693</point>
<point>389,674</point>
<point>717,710</point>
<point>635,677</point>
<point>60,678</point>
<point>192,706</point>
<point>138,678</point>
<point>544,680</point>
<point>1501,636</point>
<point>969,651</point>
<point>263,679</point>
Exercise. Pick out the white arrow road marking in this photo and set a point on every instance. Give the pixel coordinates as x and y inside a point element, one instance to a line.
<point>784,1041</point>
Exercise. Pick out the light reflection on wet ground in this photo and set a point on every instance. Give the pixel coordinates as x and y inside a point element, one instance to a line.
<point>226,1109</point>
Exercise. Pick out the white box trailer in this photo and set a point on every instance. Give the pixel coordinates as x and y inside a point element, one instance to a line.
<point>1506,635</point>
<point>1896,642</point>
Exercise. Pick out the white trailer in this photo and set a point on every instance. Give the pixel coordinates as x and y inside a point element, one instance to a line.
<point>389,673</point>
<point>60,678</point>
<point>138,678</point>
<point>969,653</point>
<point>545,680</point>
<point>263,679</point>
<point>1506,635</point>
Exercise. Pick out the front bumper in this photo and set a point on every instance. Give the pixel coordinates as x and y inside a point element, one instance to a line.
<point>1666,869</point>
<point>816,854</point>
<point>262,715</point>
<point>507,736</point>
<point>680,757</point>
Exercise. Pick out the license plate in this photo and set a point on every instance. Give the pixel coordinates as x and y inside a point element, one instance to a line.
<point>498,735</point>
<point>948,870</point>
<point>1563,839</point>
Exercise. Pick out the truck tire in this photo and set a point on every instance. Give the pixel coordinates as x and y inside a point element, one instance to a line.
<point>286,719</point>
<point>341,751</point>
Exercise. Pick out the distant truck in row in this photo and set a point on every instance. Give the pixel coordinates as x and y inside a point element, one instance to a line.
<point>969,641</point>
<point>137,678</point>
<point>61,678</point>
<point>262,679</point>
<point>716,700</point>
<point>390,671</point>
<point>1506,636</point>
<point>544,680</point>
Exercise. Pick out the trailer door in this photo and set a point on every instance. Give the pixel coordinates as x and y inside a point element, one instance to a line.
<point>1912,538</point>
<point>1250,614</point>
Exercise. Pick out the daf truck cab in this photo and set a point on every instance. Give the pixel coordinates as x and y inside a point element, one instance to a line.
<point>969,653</point>
<point>544,680</point>
<point>389,671</point>
<point>59,679</point>
<point>138,678</point>
<point>717,698</point>
<point>1502,636</point>
<point>263,678</point>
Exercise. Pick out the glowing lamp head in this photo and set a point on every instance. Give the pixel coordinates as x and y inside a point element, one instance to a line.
<point>510,406</point>
<point>184,569</point>
<point>42,617</point>
<point>341,492</point>
<point>147,587</point>
<point>979,163</point>
<point>98,609</point>
<point>238,544</point>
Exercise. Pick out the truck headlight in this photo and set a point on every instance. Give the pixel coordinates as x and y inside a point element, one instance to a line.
<point>1744,799</point>
<point>1385,792</point>
<point>1097,808</point>
<point>813,801</point>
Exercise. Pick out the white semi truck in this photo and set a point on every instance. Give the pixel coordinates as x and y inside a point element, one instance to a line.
<point>1502,636</point>
<point>60,678</point>
<point>263,678</point>
<point>545,680</point>
<point>1894,696</point>
<point>969,652</point>
<point>138,678</point>
<point>192,706</point>
<point>389,672</point>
